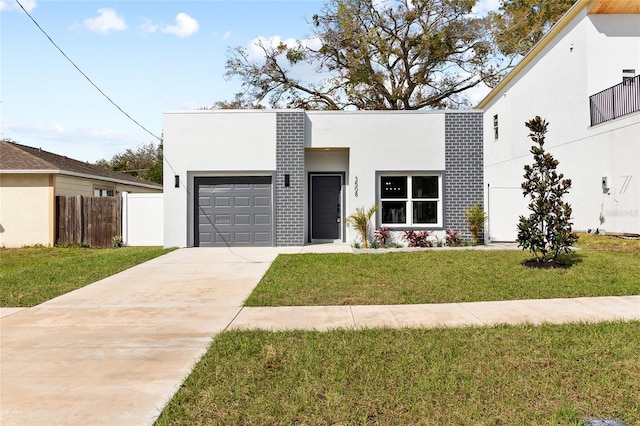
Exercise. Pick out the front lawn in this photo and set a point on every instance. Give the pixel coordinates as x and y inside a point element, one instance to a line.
<point>604,266</point>
<point>503,375</point>
<point>32,275</point>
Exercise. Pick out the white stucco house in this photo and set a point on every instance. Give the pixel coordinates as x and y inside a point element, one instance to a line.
<point>583,78</point>
<point>292,177</point>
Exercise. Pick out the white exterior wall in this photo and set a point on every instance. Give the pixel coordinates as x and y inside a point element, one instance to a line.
<point>142,219</point>
<point>587,56</point>
<point>201,142</point>
<point>235,142</point>
<point>26,209</point>
<point>377,141</point>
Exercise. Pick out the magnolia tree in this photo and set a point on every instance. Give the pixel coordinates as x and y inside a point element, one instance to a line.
<point>546,232</point>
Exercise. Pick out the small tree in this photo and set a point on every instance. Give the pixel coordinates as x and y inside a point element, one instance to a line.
<point>360,222</point>
<point>476,218</point>
<point>547,231</point>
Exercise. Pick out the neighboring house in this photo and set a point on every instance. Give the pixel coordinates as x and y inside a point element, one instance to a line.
<point>31,178</point>
<point>583,79</point>
<point>292,177</point>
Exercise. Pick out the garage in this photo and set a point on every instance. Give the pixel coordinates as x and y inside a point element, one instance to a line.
<point>233,211</point>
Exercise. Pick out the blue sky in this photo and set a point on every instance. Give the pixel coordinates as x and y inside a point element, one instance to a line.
<point>148,56</point>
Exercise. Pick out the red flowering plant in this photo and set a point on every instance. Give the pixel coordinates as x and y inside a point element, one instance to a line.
<point>417,239</point>
<point>382,236</point>
<point>452,237</point>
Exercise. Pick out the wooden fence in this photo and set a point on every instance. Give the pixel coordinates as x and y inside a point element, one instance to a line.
<point>90,221</point>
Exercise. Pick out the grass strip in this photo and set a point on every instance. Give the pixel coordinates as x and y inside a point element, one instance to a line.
<point>603,267</point>
<point>535,375</point>
<point>32,275</point>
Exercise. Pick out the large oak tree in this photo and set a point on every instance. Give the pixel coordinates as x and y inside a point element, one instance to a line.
<point>375,54</point>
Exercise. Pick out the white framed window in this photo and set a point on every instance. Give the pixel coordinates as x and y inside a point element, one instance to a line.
<point>495,127</point>
<point>410,200</point>
<point>101,192</point>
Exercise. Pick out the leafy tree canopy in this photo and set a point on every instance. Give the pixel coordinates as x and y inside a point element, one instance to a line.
<point>520,24</point>
<point>145,162</point>
<point>374,54</point>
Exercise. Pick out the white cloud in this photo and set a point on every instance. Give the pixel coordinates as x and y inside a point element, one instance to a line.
<point>148,27</point>
<point>43,130</point>
<point>485,6</point>
<point>107,20</point>
<point>84,144</point>
<point>226,35</point>
<point>8,5</point>
<point>185,26</point>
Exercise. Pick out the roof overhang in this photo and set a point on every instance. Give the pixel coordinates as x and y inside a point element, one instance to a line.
<point>82,175</point>
<point>600,7</point>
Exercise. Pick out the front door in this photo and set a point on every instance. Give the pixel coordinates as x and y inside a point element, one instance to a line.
<point>325,207</point>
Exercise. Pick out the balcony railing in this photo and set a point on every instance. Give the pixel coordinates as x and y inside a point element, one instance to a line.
<point>616,101</point>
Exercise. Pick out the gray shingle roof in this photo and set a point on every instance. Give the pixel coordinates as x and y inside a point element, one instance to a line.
<point>14,157</point>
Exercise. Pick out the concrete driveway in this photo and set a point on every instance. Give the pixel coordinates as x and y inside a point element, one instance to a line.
<point>114,352</point>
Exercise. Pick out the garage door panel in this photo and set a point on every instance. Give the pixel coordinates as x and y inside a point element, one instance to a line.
<point>205,238</point>
<point>222,238</point>
<point>222,219</point>
<point>242,219</point>
<point>242,237</point>
<point>235,211</point>
<point>221,201</point>
<point>262,237</point>
<point>205,202</point>
<point>262,201</point>
<point>243,201</point>
<point>262,219</point>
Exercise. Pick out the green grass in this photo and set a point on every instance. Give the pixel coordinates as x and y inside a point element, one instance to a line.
<point>32,275</point>
<point>502,375</point>
<point>511,375</point>
<point>605,266</point>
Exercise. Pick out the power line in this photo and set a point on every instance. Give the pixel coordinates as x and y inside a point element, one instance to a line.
<point>84,75</point>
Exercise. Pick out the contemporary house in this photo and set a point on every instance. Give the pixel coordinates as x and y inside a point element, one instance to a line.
<point>292,177</point>
<point>30,180</point>
<point>583,78</point>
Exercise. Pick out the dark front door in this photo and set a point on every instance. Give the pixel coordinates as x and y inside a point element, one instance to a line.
<point>325,207</point>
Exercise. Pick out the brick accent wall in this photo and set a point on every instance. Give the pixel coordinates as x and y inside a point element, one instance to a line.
<point>463,180</point>
<point>290,161</point>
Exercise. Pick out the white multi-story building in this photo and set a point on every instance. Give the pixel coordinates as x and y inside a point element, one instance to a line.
<point>583,79</point>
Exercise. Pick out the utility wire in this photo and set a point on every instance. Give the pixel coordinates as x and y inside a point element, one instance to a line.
<point>84,75</point>
<point>140,125</point>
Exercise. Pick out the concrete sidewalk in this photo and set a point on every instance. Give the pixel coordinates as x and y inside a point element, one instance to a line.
<point>114,352</point>
<point>552,311</point>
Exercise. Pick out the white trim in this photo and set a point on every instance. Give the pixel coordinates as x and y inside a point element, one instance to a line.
<point>409,223</point>
<point>82,175</point>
